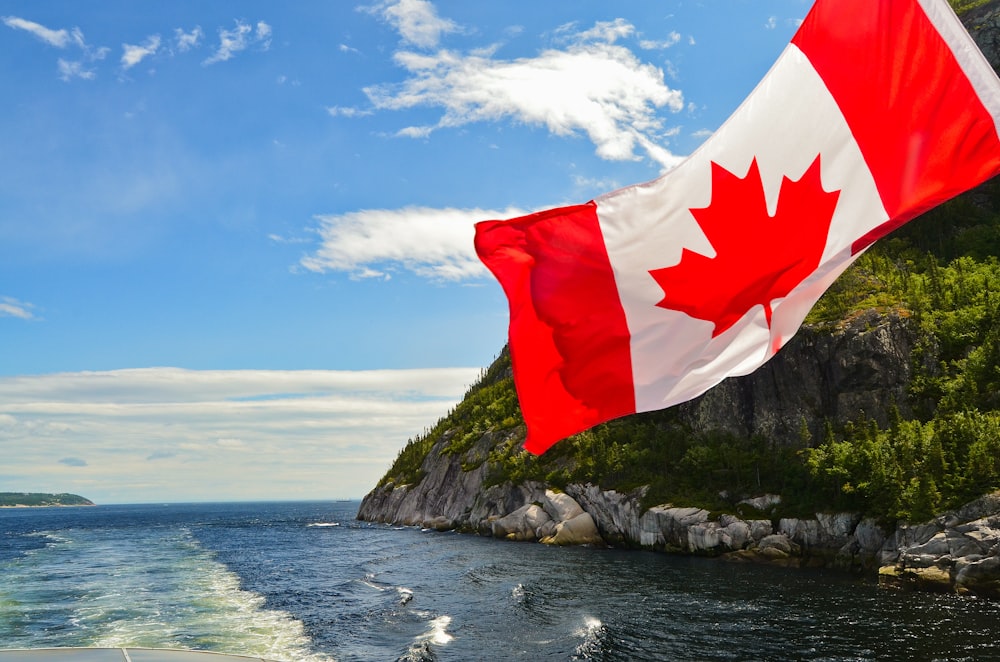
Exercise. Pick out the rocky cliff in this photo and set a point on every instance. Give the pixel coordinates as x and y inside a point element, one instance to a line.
<point>864,365</point>
<point>828,377</point>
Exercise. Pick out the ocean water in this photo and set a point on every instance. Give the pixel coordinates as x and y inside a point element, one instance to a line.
<point>306,582</point>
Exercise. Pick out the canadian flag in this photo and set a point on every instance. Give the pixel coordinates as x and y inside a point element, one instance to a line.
<point>650,295</point>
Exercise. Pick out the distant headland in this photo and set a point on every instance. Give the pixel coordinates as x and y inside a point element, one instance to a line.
<point>40,499</point>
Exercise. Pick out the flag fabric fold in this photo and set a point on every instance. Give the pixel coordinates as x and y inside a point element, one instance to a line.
<point>650,295</point>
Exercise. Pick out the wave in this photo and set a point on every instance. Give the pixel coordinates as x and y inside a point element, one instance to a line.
<point>437,632</point>
<point>369,581</point>
<point>155,588</point>
<point>419,652</point>
<point>422,648</point>
<point>594,635</point>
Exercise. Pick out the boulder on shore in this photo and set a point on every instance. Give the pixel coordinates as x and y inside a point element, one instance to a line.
<point>579,530</point>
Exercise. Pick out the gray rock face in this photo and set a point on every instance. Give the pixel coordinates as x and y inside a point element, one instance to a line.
<point>449,491</point>
<point>983,24</point>
<point>818,376</point>
<point>958,551</point>
<point>777,547</point>
<point>522,524</point>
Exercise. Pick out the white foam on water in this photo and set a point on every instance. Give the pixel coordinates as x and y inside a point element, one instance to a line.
<point>591,632</point>
<point>322,525</point>
<point>153,588</point>
<point>437,632</point>
<point>369,581</point>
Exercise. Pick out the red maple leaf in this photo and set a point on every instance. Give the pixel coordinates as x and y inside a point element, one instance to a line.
<point>758,257</point>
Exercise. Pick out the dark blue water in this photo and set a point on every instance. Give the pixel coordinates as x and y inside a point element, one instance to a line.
<point>305,582</point>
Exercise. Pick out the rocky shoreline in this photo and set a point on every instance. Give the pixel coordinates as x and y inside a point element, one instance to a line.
<point>864,365</point>
<point>957,552</point>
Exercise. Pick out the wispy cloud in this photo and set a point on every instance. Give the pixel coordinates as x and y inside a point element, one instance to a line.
<point>185,41</point>
<point>10,307</point>
<point>68,70</point>
<point>593,86</point>
<point>240,38</point>
<point>592,187</point>
<point>374,243</point>
<point>232,41</point>
<point>134,54</point>
<point>672,39</point>
<point>341,111</point>
<point>158,433</point>
<point>62,39</point>
<point>606,31</point>
<point>59,38</point>
<point>416,21</point>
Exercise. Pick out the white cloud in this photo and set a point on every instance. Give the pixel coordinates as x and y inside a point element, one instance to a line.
<point>432,243</point>
<point>598,88</point>
<point>10,307</point>
<point>416,21</point>
<point>133,54</point>
<point>592,187</point>
<point>185,41</point>
<point>414,132</point>
<point>341,111</point>
<point>168,433</point>
<point>58,38</point>
<point>279,239</point>
<point>239,39</point>
<point>772,23</point>
<point>263,35</point>
<point>652,44</point>
<point>68,69</point>
<point>606,31</point>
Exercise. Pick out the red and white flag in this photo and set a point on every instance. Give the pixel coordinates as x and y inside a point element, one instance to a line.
<point>648,296</point>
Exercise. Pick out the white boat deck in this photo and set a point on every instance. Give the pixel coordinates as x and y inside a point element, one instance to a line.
<point>119,655</point>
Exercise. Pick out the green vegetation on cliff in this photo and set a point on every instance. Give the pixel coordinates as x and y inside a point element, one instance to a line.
<point>490,404</point>
<point>12,499</point>
<point>962,6</point>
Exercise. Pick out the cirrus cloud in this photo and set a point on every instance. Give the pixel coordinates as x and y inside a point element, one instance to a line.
<point>11,307</point>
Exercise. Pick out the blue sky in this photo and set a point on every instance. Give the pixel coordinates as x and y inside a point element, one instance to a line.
<point>235,238</point>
